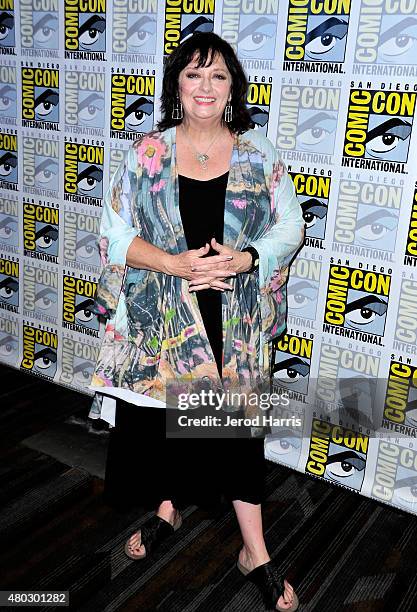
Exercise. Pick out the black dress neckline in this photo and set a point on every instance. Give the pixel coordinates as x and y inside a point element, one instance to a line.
<point>216,178</point>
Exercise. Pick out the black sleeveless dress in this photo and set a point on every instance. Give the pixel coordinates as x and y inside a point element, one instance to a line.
<point>144,467</point>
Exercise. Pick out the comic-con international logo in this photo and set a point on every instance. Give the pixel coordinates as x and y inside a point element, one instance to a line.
<point>132,105</point>
<point>7,27</point>
<point>395,477</point>
<point>316,35</point>
<point>8,161</point>
<point>250,26</point>
<point>40,98</point>
<point>83,173</point>
<point>9,339</point>
<point>78,299</point>
<point>258,102</point>
<point>302,292</point>
<point>346,383</point>
<point>41,231</point>
<point>378,129</point>
<point>78,360</point>
<point>183,18</point>
<point>41,166</point>
<point>405,336</point>
<point>85,29</point>
<point>134,31</point>
<point>337,454</point>
<point>386,38</point>
<point>9,283</point>
<point>313,194</point>
<point>84,100</point>
<point>357,303</point>
<point>9,224</point>
<point>40,348</point>
<point>400,406</point>
<point>367,219</point>
<point>8,95</point>
<point>40,292</point>
<point>410,258</point>
<point>39,28</point>
<point>307,123</point>
<point>81,230</point>
<point>291,359</point>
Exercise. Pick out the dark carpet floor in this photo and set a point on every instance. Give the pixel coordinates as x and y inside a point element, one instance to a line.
<point>341,551</point>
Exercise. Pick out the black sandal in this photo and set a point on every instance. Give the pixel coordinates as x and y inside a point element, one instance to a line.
<point>152,533</point>
<point>270,583</point>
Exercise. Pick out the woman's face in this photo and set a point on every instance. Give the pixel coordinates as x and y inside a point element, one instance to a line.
<point>204,92</point>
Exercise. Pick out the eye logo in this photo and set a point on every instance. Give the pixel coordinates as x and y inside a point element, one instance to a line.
<point>80,240</point>
<point>134,28</point>
<point>378,129</point>
<point>367,215</point>
<point>8,96</point>
<point>84,102</point>
<point>39,26</point>
<point>258,103</point>
<point>78,360</point>
<point>39,352</point>
<point>9,345</point>
<point>9,284</point>
<point>7,26</point>
<point>308,119</point>
<point>132,105</point>
<point>316,32</point>
<point>357,300</point>
<point>40,97</point>
<point>85,29</point>
<point>313,195</point>
<point>83,172</point>
<point>250,27</point>
<point>78,303</point>
<point>394,35</point>
<point>8,161</point>
<point>291,358</point>
<point>185,18</point>
<point>40,232</point>
<point>411,246</point>
<point>9,228</point>
<point>302,290</point>
<point>337,454</point>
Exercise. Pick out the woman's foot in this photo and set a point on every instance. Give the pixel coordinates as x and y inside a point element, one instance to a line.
<point>250,561</point>
<point>134,545</point>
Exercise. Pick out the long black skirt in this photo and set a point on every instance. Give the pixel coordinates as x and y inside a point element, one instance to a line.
<point>144,467</point>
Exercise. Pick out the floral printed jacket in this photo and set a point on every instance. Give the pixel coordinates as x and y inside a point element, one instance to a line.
<point>154,330</point>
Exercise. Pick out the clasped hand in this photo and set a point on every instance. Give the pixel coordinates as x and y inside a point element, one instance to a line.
<point>211,272</point>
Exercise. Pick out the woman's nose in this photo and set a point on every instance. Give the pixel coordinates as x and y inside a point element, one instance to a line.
<point>206,84</point>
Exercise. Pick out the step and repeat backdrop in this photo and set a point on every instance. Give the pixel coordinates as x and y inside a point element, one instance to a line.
<point>333,84</point>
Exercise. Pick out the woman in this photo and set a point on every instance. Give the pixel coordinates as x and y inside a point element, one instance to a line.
<point>199,227</point>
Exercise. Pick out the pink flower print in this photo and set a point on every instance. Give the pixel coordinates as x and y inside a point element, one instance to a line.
<point>239,203</point>
<point>103,246</point>
<point>158,186</point>
<point>150,153</point>
<point>276,280</point>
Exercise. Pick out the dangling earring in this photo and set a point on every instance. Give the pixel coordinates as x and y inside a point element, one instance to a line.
<point>177,112</point>
<point>228,113</point>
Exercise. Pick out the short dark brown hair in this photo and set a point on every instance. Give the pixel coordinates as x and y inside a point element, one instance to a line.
<point>205,45</point>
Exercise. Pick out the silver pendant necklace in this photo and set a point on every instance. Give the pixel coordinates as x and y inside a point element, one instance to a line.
<point>200,157</point>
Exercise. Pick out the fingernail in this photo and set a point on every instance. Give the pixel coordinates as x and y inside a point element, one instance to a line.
<point>230,257</point>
